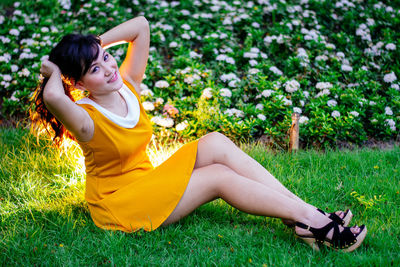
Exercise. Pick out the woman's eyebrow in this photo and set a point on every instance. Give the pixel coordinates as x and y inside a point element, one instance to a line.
<point>96,61</point>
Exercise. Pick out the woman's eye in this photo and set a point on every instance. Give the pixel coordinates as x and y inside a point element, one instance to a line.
<point>105,57</point>
<point>95,69</point>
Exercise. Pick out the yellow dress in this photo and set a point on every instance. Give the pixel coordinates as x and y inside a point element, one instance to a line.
<point>123,189</point>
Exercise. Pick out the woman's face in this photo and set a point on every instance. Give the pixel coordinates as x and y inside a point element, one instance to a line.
<point>102,76</point>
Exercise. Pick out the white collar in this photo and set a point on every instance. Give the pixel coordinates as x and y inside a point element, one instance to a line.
<point>130,120</point>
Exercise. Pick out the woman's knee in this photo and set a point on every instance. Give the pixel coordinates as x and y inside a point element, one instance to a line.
<point>216,138</point>
<point>218,144</point>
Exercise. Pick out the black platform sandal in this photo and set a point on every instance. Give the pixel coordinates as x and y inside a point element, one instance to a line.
<point>345,221</point>
<point>343,240</point>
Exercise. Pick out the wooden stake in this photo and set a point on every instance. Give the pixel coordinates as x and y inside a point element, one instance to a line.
<point>294,133</point>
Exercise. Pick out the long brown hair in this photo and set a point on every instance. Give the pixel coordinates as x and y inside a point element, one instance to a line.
<point>74,55</point>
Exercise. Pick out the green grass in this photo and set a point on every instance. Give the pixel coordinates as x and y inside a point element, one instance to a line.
<point>45,220</point>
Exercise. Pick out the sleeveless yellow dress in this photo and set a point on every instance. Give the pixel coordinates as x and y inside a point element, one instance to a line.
<point>123,189</point>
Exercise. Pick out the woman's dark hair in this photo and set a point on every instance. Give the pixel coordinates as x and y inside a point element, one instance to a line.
<point>74,55</point>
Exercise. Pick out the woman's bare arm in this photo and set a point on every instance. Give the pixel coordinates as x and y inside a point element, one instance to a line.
<point>136,32</point>
<point>72,116</point>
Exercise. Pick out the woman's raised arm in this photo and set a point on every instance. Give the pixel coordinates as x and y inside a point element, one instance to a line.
<point>136,32</point>
<point>73,117</point>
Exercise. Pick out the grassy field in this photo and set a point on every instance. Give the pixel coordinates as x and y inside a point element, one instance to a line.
<point>45,220</point>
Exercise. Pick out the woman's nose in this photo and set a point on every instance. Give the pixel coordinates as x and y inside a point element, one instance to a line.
<point>108,70</point>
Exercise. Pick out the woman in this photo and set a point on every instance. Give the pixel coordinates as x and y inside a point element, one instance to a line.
<point>123,190</point>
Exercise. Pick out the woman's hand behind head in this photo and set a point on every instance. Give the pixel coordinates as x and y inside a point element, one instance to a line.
<point>48,68</point>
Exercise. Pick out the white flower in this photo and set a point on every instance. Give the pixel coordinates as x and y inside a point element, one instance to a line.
<point>306,94</point>
<point>164,122</point>
<point>354,113</point>
<point>297,110</point>
<point>146,92</point>
<point>232,83</point>
<point>228,77</point>
<point>5,84</point>
<point>395,86</point>
<point>182,126</point>
<point>391,123</point>
<point>255,25</point>
<point>322,93</point>
<point>276,71</point>
<point>5,40</point>
<point>225,92</point>
<point>260,106</point>
<point>287,102</point>
<point>24,72</point>
<point>292,86</point>
<point>335,114</point>
<point>390,77</point>
<point>159,101</point>
<point>144,86</point>
<point>173,44</point>
<point>390,46</point>
<point>388,111</point>
<point>7,77</point>
<point>207,94</point>
<point>234,111</point>
<point>185,27</point>
<point>14,68</point>
<point>340,54</point>
<point>14,32</point>
<point>1,19</point>
<point>189,79</point>
<point>261,117</point>
<point>230,60</point>
<point>254,71</point>
<point>323,85</point>
<point>193,54</point>
<point>321,58</point>
<point>44,29</point>
<point>250,55</point>
<point>65,4</point>
<point>221,57</point>
<point>346,68</point>
<point>161,84</point>
<point>253,62</point>
<point>13,98</point>
<point>332,103</point>
<point>330,46</point>
<point>267,93</point>
<point>303,119</point>
<point>185,12</point>
<point>148,106</point>
<point>185,36</point>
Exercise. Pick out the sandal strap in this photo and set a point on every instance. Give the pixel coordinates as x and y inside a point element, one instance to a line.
<point>320,233</point>
<point>334,217</point>
<point>345,239</point>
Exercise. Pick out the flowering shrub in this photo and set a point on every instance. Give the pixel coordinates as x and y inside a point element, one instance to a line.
<point>239,67</point>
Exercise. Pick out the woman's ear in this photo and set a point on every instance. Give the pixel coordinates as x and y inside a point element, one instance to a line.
<point>79,85</point>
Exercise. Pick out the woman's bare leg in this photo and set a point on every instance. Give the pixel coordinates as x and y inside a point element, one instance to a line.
<point>217,180</point>
<point>217,148</point>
